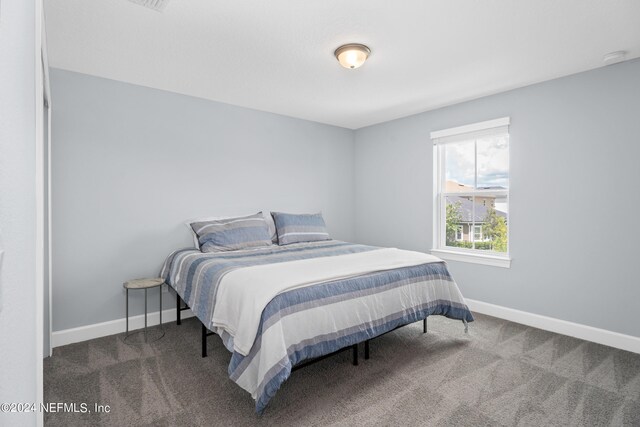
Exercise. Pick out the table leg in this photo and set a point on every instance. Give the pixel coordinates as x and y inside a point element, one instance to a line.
<point>145,315</point>
<point>126,309</point>
<point>160,306</point>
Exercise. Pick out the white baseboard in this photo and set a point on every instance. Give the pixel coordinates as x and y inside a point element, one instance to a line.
<point>97,330</point>
<point>576,330</point>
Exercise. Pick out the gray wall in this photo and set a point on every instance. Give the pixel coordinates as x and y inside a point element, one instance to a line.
<point>575,172</point>
<point>17,209</point>
<point>130,164</point>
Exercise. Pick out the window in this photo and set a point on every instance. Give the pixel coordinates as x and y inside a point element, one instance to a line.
<point>477,233</point>
<point>471,189</point>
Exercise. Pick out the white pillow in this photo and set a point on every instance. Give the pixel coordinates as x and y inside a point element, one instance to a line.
<point>267,217</point>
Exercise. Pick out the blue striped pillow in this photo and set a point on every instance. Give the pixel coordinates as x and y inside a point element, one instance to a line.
<point>231,234</point>
<point>296,228</point>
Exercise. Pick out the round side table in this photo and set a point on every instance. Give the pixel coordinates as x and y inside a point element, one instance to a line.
<point>145,284</point>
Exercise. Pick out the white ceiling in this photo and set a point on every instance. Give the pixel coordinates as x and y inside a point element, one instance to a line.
<point>277,55</point>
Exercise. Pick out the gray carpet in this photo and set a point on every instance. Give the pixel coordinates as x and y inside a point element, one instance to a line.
<point>501,373</point>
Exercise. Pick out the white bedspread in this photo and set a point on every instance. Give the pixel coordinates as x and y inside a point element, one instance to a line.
<point>245,292</point>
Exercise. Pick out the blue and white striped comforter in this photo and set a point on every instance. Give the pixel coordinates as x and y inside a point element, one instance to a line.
<point>348,310</point>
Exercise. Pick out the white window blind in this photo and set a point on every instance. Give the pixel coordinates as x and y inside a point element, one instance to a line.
<point>470,132</point>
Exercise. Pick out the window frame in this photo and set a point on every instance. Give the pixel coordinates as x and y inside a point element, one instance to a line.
<point>439,140</point>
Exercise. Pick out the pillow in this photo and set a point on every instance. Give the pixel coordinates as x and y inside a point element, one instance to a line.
<point>272,227</point>
<point>196,244</point>
<point>232,233</point>
<point>295,228</point>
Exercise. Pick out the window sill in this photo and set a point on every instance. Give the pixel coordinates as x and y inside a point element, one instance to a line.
<point>492,260</point>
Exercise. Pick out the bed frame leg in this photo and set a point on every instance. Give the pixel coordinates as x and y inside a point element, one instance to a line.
<point>355,354</point>
<point>178,311</point>
<point>424,326</point>
<point>204,341</point>
<point>366,350</point>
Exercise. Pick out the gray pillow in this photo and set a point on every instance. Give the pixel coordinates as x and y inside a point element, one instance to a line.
<point>296,228</point>
<point>231,234</point>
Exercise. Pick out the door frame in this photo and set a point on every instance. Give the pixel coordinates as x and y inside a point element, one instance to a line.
<point>42,97</point>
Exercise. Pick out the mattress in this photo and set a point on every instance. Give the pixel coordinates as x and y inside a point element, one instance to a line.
<point>288,304</point>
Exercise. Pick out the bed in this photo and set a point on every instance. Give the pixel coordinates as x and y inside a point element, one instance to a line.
<point>278,307</point>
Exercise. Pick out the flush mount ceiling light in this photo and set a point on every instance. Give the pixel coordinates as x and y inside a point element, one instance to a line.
<point>352,55</point>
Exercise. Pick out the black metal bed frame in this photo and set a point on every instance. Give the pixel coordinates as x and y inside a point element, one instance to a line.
<point>354,348</point>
